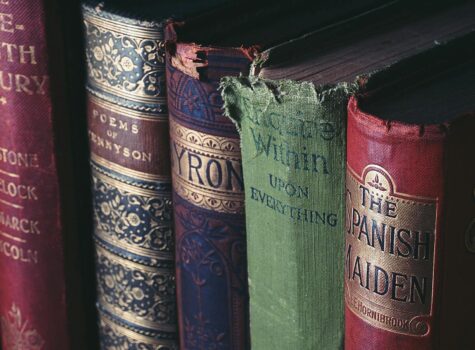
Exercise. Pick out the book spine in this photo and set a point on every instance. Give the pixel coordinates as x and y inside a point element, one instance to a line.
<point>208,202</point>
<point>293,137</point>
<point>33,309</point>
<point>401,246</point>
<point>131,185</point>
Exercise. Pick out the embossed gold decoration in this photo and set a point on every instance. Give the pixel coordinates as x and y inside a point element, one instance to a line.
<point>17,333</point>
<point>125,186</point>
<point>125,60</point>
<point>118,213</point>
<point>132,206</point>
<point>127,112</point>
<point>121,338</point>
<point>390,244</point>
<point>209,200</point>
<point>123,286</point>
<point>211,190</point>
<point>217,145</point>
<point>154,255</point>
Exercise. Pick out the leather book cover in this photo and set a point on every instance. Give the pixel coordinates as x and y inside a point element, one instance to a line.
<point>38,221</point>
<point>208,199</point>
<point>409,231</point>
<point>130,163</point>
<point>128,137</point>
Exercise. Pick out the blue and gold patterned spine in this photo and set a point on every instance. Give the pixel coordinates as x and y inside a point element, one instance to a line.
<point>129,145</point>
<point>211,265</point>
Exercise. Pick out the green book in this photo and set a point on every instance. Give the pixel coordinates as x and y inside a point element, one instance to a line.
<point>293,146</point>
<point>291,115</point>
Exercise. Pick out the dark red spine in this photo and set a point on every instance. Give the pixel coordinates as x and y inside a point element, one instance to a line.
<point>423,180</point>
<point>33,303</point>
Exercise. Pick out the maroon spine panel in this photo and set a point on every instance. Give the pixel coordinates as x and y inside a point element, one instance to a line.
<point>409,234</point>
<point>32,292</point>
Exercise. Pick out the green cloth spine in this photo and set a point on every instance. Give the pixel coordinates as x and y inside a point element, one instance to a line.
<point>293,139</point>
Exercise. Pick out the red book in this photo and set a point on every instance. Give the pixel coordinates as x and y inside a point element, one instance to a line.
<point>36,218</point>
<point>410,234</point>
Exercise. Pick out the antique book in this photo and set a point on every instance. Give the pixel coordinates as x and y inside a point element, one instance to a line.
<point>292,119</point>
<point>208,192</point>
<point>410,221</point>
<point>129,157</point>
<point>41,227</point>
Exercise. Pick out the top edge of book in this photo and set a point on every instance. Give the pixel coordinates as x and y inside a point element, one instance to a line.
<point>266,24</point>
<point>148,13</point>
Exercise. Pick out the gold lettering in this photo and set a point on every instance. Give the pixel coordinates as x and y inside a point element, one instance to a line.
<point>17,253</point>
<point>19,224</point>
<point>9,51</point>
<point>20,191</point>
<point>118,149</point>
<point>6,23</point>
<point>123,125</point>
<point>22,83</point>
<point>24,160</point>
<point>135,129</point>
<point>24,54</point>
<point>114,122</point>
<point>30,52</point>
<point>389,258</point>
<point>40,84</point>
<point>206,171</point>
<point>6,81</point>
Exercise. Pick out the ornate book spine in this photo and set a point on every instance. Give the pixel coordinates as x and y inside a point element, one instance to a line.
<point>33,302</point>
<point>129,144</point>
<point>208,202</point>
<point>409,244</point>
<point>293,139</point>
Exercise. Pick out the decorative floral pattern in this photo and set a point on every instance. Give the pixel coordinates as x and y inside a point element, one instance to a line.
<point>144,294</point>
<point>17,333</point>
<point>209,142</point>
<point>226,202</point>
<point>377,184</point>
<point>132,214</point>
<point>112,339</point>
<point>209,222</point>
<point>217,147</point>
<point>200,335</point>
<point>211,260</point>
<point>136,220</point>
<point>126,65</point>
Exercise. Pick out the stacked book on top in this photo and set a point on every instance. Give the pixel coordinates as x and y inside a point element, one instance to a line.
<point>264,175</point>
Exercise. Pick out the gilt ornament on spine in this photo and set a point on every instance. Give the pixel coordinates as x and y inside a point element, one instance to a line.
<point>128,134</point>
<point>208,196</point>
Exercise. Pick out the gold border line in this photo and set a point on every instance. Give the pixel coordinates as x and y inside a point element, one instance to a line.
<point>127,171</point>
<point>134,335</point>
<point>128,112</point>
<point>125,29</point>
<point>134,249</point>
<point>129,188</point>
